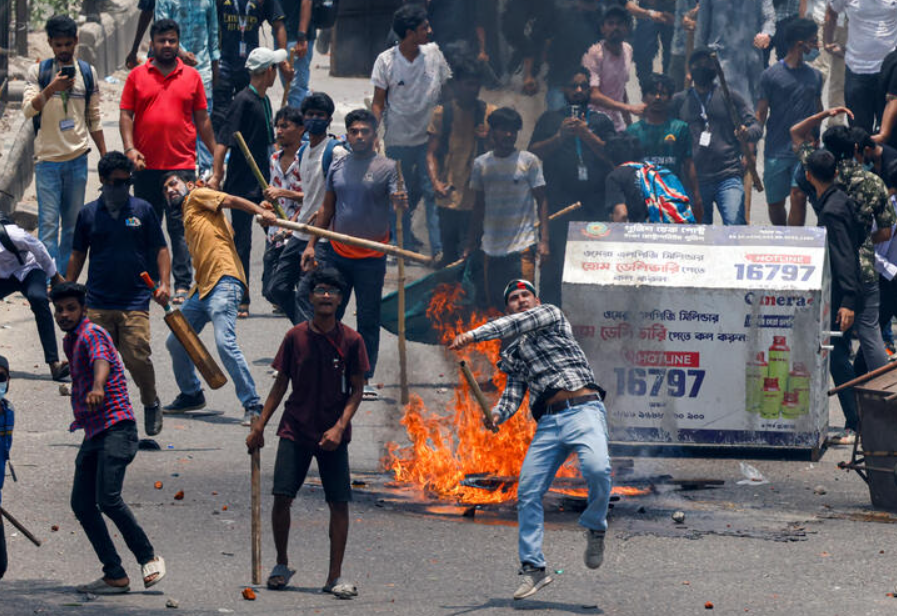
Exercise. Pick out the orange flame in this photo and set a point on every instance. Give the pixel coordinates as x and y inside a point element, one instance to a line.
<point>445,448</point>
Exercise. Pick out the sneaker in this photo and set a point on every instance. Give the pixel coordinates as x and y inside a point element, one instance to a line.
<point>532,581</point>
<point>60,371</point>
<point>152,418</point>
<point>252,413</point>
<point>186,402</point>
<point>594,554</point>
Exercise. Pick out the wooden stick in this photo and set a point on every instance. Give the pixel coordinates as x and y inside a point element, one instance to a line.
<point>403,358</point>
<point>256,481</point>
<point>354,241</point>
<point>286,88</point>
<point>477,394</point>
<point>19,526</point>
<point>256,171</point>
<point>862,379</point>
<point>748,196</point>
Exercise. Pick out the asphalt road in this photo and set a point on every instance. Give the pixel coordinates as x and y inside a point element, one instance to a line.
<point>779,548</point>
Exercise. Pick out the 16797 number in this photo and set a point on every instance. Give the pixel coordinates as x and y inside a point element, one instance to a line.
<point>773,271</point>
<point>655,382</point>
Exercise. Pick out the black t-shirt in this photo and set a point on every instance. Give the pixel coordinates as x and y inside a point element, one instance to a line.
<point>622,187</point>
<point>250,14</point>
<point>561,168</point>
<point>251,115</point>
<point>575,30</point>
<point>888,156</point>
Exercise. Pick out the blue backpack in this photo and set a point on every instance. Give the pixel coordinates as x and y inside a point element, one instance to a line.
<point>45,76</point>
<point>327,158</point>
<point>664,194</point>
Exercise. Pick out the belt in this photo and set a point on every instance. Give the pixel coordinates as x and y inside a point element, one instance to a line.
<point>563,405</point>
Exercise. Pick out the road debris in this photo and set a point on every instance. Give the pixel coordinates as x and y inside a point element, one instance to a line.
<point>64,390</point>
<point>179,495</point>
<point>752,476</point>
<point>678,517</point>
<point>158,485</point>
<point>248,594</point>
<point>819,490</point>
<point>172,603</point>
<point>708,605</point>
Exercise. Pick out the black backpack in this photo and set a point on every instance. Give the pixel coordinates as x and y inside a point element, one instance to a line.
<point>323,13</point>
<point>45,76</point>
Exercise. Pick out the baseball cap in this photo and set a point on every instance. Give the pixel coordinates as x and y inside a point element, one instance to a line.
<point>262,58</point>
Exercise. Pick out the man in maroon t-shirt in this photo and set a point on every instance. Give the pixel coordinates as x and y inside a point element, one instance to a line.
<point>325,361</point>
<point>163,107</point>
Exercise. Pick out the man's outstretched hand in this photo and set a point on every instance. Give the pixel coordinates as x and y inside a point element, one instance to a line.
<point>461,341</point>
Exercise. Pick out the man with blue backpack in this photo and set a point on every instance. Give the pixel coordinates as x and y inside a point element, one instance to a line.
<point>63,100</point>
<point>314,160</point>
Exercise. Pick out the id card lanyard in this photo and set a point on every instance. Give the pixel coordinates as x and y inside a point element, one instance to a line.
<point>243,21</point>
<point>268,115</point>
<point>65,123</point>
<point>704,140</point>
<point>582,172</point>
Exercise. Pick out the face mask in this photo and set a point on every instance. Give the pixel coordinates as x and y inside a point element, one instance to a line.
<point>811,55</point>
<point>4,387</point>
<point>316,126</point>
<point>115,198</point>
<point>703,75</point>
<point>178,199</point>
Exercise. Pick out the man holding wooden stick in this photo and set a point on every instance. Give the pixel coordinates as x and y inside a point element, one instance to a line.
<point>542,356</point>
<point>362,190</point>
<point>325,362</point>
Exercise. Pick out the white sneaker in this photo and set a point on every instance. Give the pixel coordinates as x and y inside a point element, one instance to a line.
<point>594,554</point>
<point>250,415</point>
<point>532,581</point>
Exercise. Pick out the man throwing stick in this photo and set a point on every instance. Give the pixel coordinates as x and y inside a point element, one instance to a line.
<point>542,355</point>
<point>325,362</point>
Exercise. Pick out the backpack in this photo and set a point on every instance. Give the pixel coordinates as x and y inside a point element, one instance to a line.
<point>45,76</point>
<point>6,241</point>
<point>323,13</point>
<point>448,118</point>
<point>327,158</point>
<point>664,194</point>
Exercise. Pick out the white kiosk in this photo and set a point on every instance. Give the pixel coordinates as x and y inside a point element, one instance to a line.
<point>704,335</point>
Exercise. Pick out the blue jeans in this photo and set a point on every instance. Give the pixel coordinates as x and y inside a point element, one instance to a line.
<point>365,277</point>
<point>417,181</point>
<point>203,156</point>
<point>299,89</point>
<point>729,197</point>
<point>583,429</point>
<point>219,307</point>
<point>60,195</point>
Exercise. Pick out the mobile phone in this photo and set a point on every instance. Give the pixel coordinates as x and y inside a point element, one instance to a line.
<point>68,71</point>
<point>576,111</point>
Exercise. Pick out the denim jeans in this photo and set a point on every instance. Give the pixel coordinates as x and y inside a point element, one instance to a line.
<point>646,39</point>
<point>99,475</point>
<point>219,307</point>
<point>417,180</point>
<point>289,286</point>
<point>872,354</point>
<point>34,288</point>
<point>365,277</point>
<point>148,186</point>
<point>299,89</point>
<point>729,197</point>
<point>583,429</point>
<point>60,196</point>
<point>203,156</point>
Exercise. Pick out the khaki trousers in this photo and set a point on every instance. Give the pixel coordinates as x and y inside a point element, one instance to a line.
<point>833,70</point>
<point>130,331</point>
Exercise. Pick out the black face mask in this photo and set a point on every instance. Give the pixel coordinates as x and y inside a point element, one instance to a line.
<point>703,75</point>
<point>115,198</point>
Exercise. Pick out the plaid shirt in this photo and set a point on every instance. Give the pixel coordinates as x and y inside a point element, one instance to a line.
<point>88,343</point>
<point>544,357</point>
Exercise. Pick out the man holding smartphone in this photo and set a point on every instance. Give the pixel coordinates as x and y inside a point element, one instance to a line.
<point>63,100</point>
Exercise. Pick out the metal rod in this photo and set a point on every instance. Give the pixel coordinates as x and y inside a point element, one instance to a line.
<point>477,394</point>
<point>862,379</point>
<point>19,526</point>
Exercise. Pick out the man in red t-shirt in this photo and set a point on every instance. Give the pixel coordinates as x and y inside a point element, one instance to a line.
<point>163,106</point>
<point>325,361</point>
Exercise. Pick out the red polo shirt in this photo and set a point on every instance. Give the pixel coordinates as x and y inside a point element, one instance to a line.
<point>163,109</point>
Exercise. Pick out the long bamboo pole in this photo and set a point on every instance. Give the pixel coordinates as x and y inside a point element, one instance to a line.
<point>403,358</point>
<point>288,85</point>
<point>256,495</point>
<point>20,526</point>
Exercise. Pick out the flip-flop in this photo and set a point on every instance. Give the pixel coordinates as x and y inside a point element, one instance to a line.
<point>243,311</point>
<point>179,297</point>
<point>284,573</point>
<point>370,393</point>
<point>100,587</point>
<point>341,589</point>
<point>157,565</point>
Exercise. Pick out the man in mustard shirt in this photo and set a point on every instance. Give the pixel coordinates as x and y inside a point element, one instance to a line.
<point>220,283</point>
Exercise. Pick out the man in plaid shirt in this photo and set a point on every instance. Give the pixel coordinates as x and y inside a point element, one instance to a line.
<point>542,356</point>
<point>102,409</point>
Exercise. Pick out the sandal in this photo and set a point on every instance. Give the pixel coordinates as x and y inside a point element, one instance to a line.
<point>179,297</point>
<point>370,393</point>
<point>101,587</point>
<point>341,589</point>
<point>155,566</point>
<point>243,311</point>
<point>282,572</point>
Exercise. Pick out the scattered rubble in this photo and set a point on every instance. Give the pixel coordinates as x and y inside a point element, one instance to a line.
<point>678,517</point>
<point>248,594</point>
<point>179,495</point>
<point>172,603</point>
<point>819,490</point>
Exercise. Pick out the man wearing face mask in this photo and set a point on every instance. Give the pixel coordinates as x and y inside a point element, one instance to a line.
<point>716,148</point>
<point>7,419</point>
<point>124,238</point>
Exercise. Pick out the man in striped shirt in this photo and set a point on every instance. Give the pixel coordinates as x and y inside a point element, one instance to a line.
<point>542,356</point>
<point>103,410</point>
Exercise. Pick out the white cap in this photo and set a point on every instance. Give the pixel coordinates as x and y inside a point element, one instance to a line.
<point>261,58</point>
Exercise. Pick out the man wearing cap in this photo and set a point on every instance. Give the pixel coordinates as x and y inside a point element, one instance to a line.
<point>250,113</point>
<point>541,355</point>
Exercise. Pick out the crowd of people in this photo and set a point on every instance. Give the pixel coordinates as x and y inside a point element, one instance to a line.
<point>197,127</point>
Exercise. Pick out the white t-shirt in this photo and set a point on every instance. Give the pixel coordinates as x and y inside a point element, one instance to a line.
<point>412,92</point>
<point>314,182</point>
<point>509,224</point>
<point>871,32</point>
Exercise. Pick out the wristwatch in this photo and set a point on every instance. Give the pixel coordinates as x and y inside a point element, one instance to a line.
<point>302,37</point>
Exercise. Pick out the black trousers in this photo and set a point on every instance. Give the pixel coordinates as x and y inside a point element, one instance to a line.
<point>862,97</point>
<point>242,222</point>
<point>4,559</point>
<point>34,288</point>
<point>453,228</point>
<point>289,286</point>
<point>231,79</point>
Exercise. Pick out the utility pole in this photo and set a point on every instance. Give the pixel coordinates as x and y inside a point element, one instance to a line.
<point>22,28</point>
